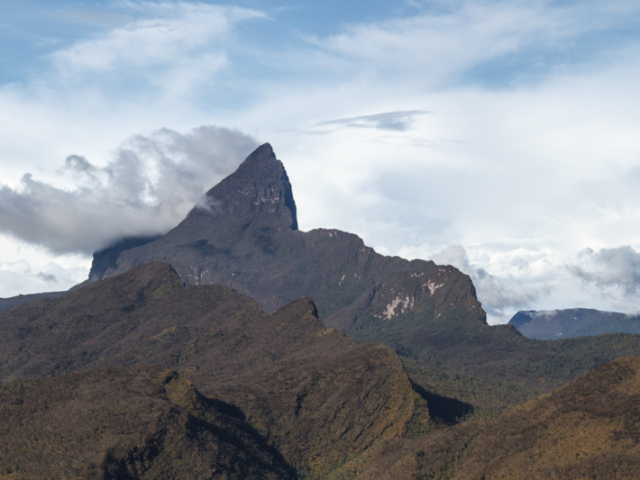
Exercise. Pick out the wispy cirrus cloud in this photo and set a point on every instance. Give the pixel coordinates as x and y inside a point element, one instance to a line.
<point>434,46</point>
<point>164,52</point>
<point>168,31</point>
<point>395,121</point>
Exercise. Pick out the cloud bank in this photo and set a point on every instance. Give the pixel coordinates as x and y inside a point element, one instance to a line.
<point>496,297</point>
<point>615,272</point>
<point>147,188</point>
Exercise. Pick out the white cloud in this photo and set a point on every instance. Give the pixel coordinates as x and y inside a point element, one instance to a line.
<point>148,187</point>
<point>523,178</point>
<point>30,269</point>
<point>614,271</point>
<point>168,33</point>
<point>498,299</point>
<point>466,34</point>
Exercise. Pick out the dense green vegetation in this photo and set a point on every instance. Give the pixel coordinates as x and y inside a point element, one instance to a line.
<point>314,394</point>
<point>333,409</point>
<point>316,405</point>
<point>125,423</point>
<point>489,367</point>
<point>587,429</point>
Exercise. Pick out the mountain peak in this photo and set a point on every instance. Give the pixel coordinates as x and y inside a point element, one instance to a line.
<point>260,185</point>
<point>263,156</point>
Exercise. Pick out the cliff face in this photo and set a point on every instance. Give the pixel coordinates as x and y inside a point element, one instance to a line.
<point>244,235</point>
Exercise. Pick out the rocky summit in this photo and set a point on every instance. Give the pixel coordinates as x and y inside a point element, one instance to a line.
<point>244,234</point>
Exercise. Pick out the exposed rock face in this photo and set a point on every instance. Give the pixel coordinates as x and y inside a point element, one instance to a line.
<point>107,257</point>
<point>573,322</point>
<point>245,236</point>
<point>260,186</point>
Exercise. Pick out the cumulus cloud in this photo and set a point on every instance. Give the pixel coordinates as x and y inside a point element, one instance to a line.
<point>147,188</point>
<point>610,268</point>
<point>497,298</point>
<point>47,277</point>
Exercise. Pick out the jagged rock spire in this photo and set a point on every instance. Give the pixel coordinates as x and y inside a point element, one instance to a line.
<point>260,185</point>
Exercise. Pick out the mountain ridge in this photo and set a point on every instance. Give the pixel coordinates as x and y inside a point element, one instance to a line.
<point>573,322</point>
<point>248,239</point>
<point>428,313</point>
<point>316,395</point>
<point>332,407</point>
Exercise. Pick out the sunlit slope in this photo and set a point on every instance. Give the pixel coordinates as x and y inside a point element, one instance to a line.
<point>587,429</point>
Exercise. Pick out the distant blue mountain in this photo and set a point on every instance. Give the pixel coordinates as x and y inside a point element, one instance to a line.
<point>573,322</point>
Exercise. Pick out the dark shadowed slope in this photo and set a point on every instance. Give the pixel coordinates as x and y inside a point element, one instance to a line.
<point>316,395</point>
<point>573,322</point>
<point>125,423</point>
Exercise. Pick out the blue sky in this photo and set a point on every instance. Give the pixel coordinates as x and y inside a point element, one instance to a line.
<point>498,136</point>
